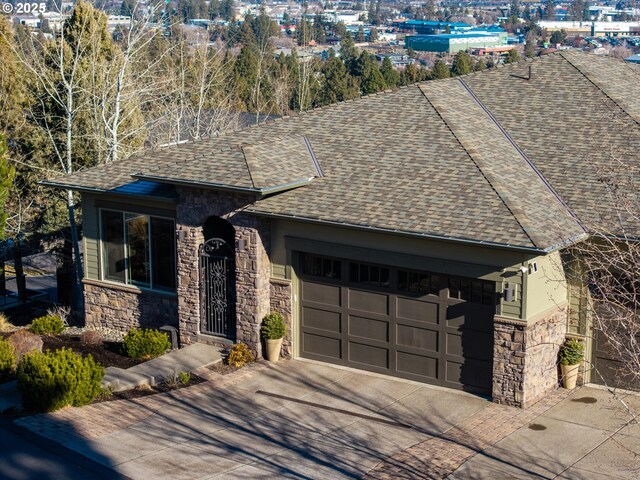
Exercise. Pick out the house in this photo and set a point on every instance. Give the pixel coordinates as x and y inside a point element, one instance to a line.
<point>416,233</point>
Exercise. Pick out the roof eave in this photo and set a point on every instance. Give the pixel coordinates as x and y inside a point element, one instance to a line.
<point>519,248</point>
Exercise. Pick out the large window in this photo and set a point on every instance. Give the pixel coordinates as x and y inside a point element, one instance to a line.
<point>138,250</point>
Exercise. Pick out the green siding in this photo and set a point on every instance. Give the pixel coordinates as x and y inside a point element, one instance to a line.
<point>546,288</point>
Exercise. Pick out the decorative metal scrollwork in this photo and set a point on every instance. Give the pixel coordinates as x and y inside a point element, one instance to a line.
<point>217,282</point>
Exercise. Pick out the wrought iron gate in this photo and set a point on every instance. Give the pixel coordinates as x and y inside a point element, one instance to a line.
<point>217,283</point>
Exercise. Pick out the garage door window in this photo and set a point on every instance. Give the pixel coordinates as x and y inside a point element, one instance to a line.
<point>324,267</point>
<point>474,291</point>
<point>371,275</point>
<point>418,282</point>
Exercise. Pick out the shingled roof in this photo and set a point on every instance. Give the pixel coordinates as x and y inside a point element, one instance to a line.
<point>507,157</point>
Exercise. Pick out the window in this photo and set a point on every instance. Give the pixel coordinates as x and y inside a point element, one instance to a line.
<point>318,266</point>
<point>422,282</point>
<point>474,291</point>
<point>138,250</point>
<point>369,274</point>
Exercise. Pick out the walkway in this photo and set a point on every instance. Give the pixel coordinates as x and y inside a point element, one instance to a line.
<point>299,419</point>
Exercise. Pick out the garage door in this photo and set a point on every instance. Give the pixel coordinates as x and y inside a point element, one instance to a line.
<point>413,324</point>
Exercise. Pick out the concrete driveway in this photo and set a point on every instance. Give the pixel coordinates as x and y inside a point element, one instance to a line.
<point>299,419</point>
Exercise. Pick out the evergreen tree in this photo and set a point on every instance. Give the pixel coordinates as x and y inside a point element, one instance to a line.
<point>336,85</point>
<point>373,34</point>
<point>213,10</point>
<point>227,10</point>
<point>360,37</point>
<point>6,182</point>
<point>512,56</point>
<point>390,74</point>
<point>526,13</point>
<point>515,9</point>
<point>127,7</point>
<point>348,52</point>
<point>461,64</point>
<point>371,80</point>
<point>440,70</point>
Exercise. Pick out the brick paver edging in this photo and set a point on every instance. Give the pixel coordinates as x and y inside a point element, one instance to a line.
<point>99,419</point>
<point>440,456</point>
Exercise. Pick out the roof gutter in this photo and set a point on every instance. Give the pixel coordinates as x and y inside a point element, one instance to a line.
<point>76,188</point>
<point>431,236</point>
<point>222,186</point>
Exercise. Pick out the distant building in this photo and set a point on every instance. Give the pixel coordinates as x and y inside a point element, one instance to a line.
<point>594,29</point>
<point>454,42</point>
<point>429,27</point>
<point>397,59</point>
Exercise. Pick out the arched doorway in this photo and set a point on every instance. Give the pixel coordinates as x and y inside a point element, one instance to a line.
<point>218,279</point>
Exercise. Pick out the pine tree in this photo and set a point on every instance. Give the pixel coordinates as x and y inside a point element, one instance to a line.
<point>440,70</point>
<point>512,56</point>
<point>6,182</point>
<point>390,74</point>
<point>461,64</point>
<point>549,10</point>
<point>360,37</point>
<point>515,9</point>
<point>373,34</point>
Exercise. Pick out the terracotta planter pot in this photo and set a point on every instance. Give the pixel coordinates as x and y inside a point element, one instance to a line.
<point>273,349</point>
<point>569,375</point>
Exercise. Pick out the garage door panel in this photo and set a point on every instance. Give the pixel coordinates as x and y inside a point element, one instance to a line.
<point>419,310</point>
<point>470,316</point>
<point>368,301</point>
<point>369,328</point>
<point>472,375</point>
<point>401,329</point>
<point>321,319</point>
<point>321,293</point>
<point>420,365</point>
<point>421,338</point>
<point>321,346</point>
<point>368,355</point>
<point>469,344</point>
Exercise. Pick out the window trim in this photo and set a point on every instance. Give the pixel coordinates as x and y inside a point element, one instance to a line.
<point>101,258</point>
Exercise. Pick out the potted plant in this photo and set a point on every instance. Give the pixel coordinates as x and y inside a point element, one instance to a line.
<point>273,331</point>
<point>571,354</point>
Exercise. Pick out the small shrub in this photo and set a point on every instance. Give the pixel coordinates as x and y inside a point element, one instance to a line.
<point>572,352</point>
<point>273,326</point>
<point>145,343</point>
<point>52,380</point>
<point>61,312</point>
<point>239,355</point>
<point>48,324</point>
<point>184,377</point>
<point>7,360</point>
<point>91,337</point>
<point>5,324</point>
<point>24,341</point>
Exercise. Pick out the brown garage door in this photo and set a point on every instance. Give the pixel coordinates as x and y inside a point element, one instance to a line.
<point>427,327</point>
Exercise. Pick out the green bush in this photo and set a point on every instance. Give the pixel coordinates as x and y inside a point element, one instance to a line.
<point>239,355</point>
<point>572,352</point>
<point>7,360</point>
<point>48,324</point>
<point>145,343</point>
<point>52,380</point>
<point>273,326</point>
<point>184,377</point>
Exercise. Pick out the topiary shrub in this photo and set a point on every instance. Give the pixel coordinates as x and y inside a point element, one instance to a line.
<point>52,380</point>
<point>145,343</point>
<point>239,355</point>
<point>7,360</point>
<point>48,324</point>
<point>572,352</point>
<point>273,326</point>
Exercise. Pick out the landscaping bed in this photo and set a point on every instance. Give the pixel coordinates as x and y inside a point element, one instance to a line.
<point>147,390</point>
<point>108,354</point>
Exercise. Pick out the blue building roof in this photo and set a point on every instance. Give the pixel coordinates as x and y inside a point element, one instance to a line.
<point>449,36</point>
<point>434,24</point>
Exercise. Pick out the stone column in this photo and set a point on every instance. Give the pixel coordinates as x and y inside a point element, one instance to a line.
<point>525,357</point>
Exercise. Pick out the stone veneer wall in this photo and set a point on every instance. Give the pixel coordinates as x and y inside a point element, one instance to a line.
<point>253,268</point>
<point>281,302</point>
<point>122,307</point>
<point>525,357</point>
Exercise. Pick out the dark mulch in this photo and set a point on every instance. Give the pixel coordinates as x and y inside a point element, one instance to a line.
<point>108,354</point>
<point>222,368</point>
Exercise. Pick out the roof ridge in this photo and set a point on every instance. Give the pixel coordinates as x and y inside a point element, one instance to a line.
<point>600,89</point>
<point>473,160</point>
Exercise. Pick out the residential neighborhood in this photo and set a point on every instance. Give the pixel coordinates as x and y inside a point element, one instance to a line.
<point>319,240</point>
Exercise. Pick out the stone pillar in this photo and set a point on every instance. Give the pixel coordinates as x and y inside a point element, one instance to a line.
<point>525,357</point>
<point>281,302</point>
<point>253,266</point>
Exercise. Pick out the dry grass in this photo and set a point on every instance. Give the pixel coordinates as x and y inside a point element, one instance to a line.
<point>5,324</point>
